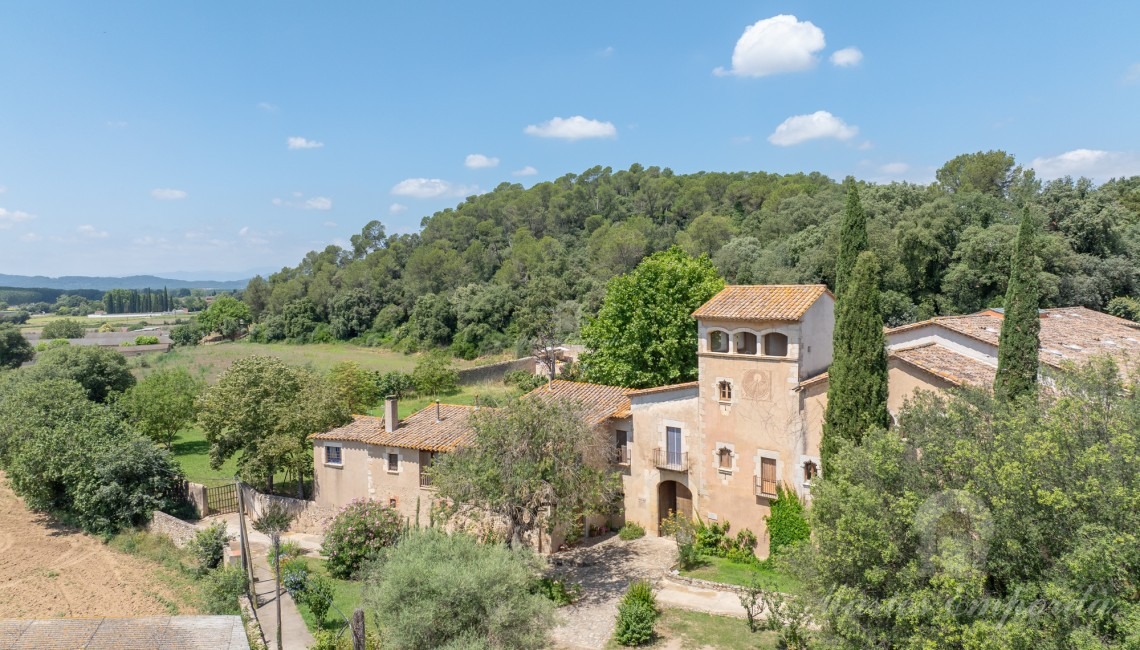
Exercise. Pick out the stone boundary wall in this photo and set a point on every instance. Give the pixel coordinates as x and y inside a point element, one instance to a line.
<point>180,532</point>
<point>253,631</point>
<point>671,576</point>
<point>495,371</point>
<point>308,517</point>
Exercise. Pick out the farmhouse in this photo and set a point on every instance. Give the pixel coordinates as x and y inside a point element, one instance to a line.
<point>718,447</point>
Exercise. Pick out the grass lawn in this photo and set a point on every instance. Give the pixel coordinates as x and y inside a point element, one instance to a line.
<point>193,453</point>
<point>695,631</point>
<point>719,569</point>
<point>209,361</point>
<point>346,598</point>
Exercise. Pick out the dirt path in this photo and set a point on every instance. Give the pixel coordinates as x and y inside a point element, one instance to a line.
<point>47,570</point>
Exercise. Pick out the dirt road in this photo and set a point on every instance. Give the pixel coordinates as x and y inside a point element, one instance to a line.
<point>47,571</point>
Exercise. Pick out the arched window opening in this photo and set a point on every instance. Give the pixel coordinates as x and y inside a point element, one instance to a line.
<point>775,345</point>
<point>745,343</point>
<point>811,470</point>
<point>718,341</point>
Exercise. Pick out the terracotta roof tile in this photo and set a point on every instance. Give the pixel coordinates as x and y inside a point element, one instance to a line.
<point>943,362</point>
<point>419,430</point>
<point>662,389</point>
<point>1068,334</point>
<point>601,402</point>
<point>762,302</point>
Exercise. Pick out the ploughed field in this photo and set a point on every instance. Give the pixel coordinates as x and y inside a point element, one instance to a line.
<point>48,570</point>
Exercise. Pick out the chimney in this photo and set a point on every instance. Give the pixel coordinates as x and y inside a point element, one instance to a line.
<point>437,418</point>
<point>391,414</point>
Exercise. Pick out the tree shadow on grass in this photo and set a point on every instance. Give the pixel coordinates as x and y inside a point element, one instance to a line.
<point>190,447</point>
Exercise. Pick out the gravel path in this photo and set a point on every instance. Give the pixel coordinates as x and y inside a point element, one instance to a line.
<point>604,570</point>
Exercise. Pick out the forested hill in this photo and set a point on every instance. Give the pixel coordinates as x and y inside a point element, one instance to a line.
<point>468,277</point>
<point>74,282</point>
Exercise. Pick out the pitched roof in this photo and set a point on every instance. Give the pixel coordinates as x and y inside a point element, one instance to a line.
<point>941,361</point>
<point>1068,334</point>
<point>762,302</point>
<point>661,389</point>
<point>601,402</point>
<point>222,632</point>
<point>420,430</point>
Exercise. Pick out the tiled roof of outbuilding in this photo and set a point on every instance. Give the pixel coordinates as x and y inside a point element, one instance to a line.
<point>943,362</point>
<point>600,401</point>
<point>420,430</point>
<point>762,302</point>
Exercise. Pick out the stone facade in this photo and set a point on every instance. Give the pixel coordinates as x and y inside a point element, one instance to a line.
<point>180,532</point>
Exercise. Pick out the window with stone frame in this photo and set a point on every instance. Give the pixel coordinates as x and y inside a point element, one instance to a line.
<point>724,390</point>
<point>724,458</point>
<point>745,342</point>
<point>718,341</point>
<point>775,345</point>
<point>811,470</point>
<point>393,462</point>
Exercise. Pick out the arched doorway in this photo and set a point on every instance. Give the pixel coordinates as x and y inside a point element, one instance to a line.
<point>673,497</point>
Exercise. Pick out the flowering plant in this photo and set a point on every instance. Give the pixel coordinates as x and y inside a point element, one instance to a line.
<point>357,533</point>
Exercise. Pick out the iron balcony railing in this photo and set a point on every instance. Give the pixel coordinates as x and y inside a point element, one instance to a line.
<point>621,456</point>
<point>425,480</point>
<point>675,461</point>
<point>765,487</point>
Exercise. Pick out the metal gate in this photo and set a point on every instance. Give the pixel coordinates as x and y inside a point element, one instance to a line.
<point>221,499</point>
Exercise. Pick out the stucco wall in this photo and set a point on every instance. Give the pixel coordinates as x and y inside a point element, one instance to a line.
<point>364,475</point>
<point>651,414</point>
<point>816,330</point>
<point>903,380</point>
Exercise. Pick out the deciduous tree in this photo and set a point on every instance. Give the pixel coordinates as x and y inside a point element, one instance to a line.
<point>162,404</point>
<point>101,371</point>
<point>14,348</point>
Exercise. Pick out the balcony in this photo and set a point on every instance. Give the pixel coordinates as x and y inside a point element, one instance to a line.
<point>766,487</point>
<point>425,481</point>
<point>621,456</point>
<point>674,461</point>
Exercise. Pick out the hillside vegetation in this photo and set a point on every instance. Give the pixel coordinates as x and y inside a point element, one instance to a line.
<point>466,278</point>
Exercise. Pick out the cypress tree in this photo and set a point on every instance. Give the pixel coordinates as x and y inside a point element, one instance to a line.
<point>857,379</point>
<point>852,237</point>
<point>1020,329</point>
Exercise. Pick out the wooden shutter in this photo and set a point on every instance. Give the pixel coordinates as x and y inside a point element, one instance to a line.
<point>768,476</point>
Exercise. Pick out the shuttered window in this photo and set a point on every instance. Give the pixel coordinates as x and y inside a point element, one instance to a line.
<point>768,476</point>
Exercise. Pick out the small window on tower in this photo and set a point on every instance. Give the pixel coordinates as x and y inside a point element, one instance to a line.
<point>811,470</point>
<point>724,388</point>
<point>775,345</point>
<point>724,458</point>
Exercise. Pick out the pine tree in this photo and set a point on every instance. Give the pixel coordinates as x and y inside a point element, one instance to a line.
<point>857,379</point>
<point>852,237</point>
<point>1020,329</point>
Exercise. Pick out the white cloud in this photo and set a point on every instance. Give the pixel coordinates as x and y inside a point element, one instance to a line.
<point>525,171</point>
<point>397,208</point>
<point>9,218</point>
<point>1096,164</point>
<point>895,169</point>
<point>429,188</point>
<point>167,194</point>
<point>775,45</point>
<point>866,145</point>
<point>329,224</point>
<point>297,142</point>
<point>91,232</point>
<point>479,161</point>
<point>606,51</point>
<point>847,57</point>
<point>266,106</point>
<point>3,189</point>
<point>244,231</point>
<point>315,203</point>
<point>572,128</point>
<point>820,124</point>
<point>1132,75</point>
<point>149,241</point>
<point>30,236</point>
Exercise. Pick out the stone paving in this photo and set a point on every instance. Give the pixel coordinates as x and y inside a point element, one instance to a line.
<point>604,570</point>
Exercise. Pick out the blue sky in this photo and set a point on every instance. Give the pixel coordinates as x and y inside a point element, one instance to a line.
<point>217,138</point>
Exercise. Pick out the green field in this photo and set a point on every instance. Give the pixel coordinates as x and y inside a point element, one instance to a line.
<point>209,361</point>
<point>193,454</point>
<point>489,394</point>
<point>719,569</point>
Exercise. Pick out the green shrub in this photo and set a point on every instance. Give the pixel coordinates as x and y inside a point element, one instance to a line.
<point>395,383</point>
<point>209,546</point>
<point>318,596</point>
<point>631,530</point>
<point>146,340</point>
<point>523,380</point>
<point>63,329</point>
<point>635,621</point>
<point>288,550</point>
<point>221,589</point>
<point>187,334</point>
<point>559,591</point>
<point>1124,307</point>
<point>358,533</point>
<point>449,591</point>
<point>642,591</point>
<point>295,577</point>
<point>434,375</point>
<point>786,522</point>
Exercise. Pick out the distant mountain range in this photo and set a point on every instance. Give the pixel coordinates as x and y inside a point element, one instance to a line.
<point>71,282</point>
